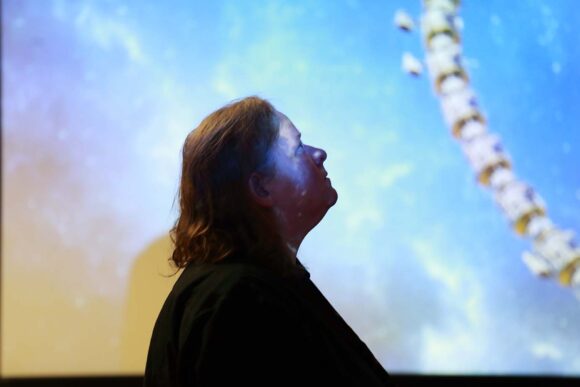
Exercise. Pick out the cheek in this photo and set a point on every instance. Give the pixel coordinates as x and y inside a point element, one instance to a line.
<point>294,172</point>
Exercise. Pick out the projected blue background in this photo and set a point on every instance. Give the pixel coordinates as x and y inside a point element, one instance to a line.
<point>98,97</point>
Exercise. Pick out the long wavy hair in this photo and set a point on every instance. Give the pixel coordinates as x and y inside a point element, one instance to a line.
<point>218,219</point>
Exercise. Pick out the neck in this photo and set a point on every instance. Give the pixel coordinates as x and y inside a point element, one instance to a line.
<point>293,251</point>
<point>293,243</point>
<point>291,238</point>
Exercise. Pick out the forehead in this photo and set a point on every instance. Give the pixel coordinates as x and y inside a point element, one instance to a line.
<point>287,128</point>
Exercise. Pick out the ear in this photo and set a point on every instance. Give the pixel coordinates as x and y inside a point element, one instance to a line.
<point>258,191</point>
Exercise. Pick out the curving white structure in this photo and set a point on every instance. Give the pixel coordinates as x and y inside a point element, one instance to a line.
<point>555,252</point>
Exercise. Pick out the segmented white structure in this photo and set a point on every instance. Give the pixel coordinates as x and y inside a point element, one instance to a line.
<point>555,252</point>
<point>404,21</point>
<point>411,65</point>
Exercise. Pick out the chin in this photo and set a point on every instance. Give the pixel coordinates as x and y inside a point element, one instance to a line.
<point>333,198</point>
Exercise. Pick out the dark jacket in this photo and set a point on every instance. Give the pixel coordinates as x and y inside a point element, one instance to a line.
<point>235,324</point>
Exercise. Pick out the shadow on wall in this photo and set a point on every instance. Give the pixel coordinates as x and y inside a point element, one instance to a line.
<point>150,282</point>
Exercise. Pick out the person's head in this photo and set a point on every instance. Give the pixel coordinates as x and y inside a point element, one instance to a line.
<point>298,192</point>
<point>248,186</point>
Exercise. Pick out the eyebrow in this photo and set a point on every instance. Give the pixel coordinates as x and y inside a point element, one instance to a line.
<point>299,142</point>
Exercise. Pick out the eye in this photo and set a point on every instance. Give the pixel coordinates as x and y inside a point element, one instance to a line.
<point>300,148</point>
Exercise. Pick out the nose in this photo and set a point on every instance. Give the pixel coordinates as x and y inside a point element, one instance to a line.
<point>318,155</point>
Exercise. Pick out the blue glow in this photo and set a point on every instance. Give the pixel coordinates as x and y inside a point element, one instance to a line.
<point>99,95</point>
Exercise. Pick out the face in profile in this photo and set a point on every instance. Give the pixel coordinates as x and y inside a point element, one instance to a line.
<point>300,190</point>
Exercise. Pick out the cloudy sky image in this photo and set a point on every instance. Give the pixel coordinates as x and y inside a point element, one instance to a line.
<point>98,96</point>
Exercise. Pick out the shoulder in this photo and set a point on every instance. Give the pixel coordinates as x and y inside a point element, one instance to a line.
<point>209,287</point>
<point>225,303</point>
<point>209,293</point>
<point>236,270</point>
<point>226,277</point>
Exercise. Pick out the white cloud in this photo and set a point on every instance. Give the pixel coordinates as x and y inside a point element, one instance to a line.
<point>544,350</point>
<point>222,83</point>
<point>107,32</point>
<point>455,351</point>
<point>394,173</point>
<point>550,26</point>
<point>433,263</point>
<point>363,217</point>
<point>384,177</point>
<point>460,342</point>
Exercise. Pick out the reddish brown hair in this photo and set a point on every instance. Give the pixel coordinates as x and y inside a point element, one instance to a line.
<point>217,217</point>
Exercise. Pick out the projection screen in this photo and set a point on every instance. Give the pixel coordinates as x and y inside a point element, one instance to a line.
<point>420,256</point>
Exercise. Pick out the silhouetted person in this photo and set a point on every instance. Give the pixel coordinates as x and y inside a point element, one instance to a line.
<point>244,311</point>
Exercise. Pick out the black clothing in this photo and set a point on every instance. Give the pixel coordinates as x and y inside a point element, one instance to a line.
<point>236,324</point>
